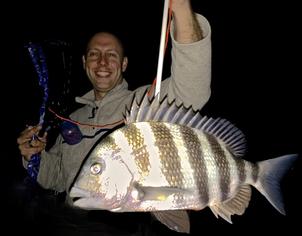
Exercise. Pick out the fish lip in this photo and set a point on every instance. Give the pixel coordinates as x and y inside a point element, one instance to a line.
<point>78,193</point>
<point>74,199</point>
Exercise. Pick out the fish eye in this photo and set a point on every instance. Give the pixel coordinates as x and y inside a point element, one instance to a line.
<point>96,168</point>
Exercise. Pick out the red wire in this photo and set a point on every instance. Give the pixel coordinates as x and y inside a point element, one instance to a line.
<point>85,124</point>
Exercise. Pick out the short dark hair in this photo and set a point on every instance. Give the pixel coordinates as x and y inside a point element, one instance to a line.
<point>117,37</point>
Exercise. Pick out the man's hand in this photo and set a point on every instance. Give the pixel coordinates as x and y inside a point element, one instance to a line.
<point>30,143</point>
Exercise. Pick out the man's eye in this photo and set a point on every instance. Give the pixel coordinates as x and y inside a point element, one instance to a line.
<point>110,54</point>
<point>92,54</point>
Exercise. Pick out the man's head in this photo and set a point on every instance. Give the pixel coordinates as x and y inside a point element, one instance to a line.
<point>104,63</point>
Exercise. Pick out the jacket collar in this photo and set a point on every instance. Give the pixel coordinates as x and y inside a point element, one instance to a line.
<point>89,98</point>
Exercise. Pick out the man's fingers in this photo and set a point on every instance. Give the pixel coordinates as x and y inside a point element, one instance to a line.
<point>30,148</point>
<point>37,143</point>
<point>27,134</point>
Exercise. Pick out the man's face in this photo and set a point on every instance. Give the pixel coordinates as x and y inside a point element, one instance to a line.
<point>104,63</point>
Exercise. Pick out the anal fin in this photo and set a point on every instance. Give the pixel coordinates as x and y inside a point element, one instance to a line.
<point>235,205</point>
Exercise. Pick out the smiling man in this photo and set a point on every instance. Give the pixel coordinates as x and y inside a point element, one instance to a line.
<point>104,63</point>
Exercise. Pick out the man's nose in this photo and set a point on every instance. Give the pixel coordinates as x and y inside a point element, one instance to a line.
<point>102,60</point>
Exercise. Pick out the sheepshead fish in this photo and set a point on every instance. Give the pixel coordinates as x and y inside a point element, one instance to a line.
<point>168,159</point>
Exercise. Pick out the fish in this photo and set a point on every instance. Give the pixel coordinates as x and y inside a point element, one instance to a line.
<point>168,159</point>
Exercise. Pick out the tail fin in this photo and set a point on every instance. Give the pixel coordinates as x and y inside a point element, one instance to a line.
<point>270,173</point>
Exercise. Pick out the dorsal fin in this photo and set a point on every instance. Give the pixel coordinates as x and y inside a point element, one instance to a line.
<point>152,109</point>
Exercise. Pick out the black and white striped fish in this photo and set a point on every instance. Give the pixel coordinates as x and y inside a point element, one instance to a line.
<point>168,159</point>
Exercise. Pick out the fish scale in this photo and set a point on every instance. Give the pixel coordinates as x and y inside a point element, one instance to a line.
<point>140,152</point>
<point>168,154</point>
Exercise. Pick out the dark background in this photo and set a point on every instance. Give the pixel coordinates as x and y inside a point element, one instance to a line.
<point>255,76</point>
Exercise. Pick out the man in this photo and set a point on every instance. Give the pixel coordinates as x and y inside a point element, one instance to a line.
<point>104,64</point>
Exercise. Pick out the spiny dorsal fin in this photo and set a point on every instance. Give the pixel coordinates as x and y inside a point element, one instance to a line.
<point>177,220</point>
<point>235,205</point>
<point>152,109</point>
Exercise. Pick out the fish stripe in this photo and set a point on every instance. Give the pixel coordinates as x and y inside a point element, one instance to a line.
<point>211,173</point>
<point>234,171</point>
<point>139,149</point>
<point>155,176</point>
<point>168,153</point>
<point>188,198</point>
<point>240,166</point>
<point>222,164</point>
<point>178,133</point>
<point>197,163</point>
<point>255,172</point>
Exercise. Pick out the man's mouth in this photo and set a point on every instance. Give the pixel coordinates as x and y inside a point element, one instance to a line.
<point>102,73</point>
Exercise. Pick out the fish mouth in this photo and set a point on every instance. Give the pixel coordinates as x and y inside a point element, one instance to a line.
<point>76,192</point>
<point>76,199</point>
<point>84,199</point>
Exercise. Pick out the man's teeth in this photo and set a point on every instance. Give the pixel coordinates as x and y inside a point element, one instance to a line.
<point>102,73</point>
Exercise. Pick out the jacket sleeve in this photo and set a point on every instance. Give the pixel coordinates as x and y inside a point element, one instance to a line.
<point>50,173</point>
<point>190,78</point>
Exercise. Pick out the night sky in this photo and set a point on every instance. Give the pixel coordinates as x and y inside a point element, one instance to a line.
<point>255,73</point>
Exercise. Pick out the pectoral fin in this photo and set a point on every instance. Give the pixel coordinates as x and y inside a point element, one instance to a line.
<point>177,220</point>
<point>156,193</point>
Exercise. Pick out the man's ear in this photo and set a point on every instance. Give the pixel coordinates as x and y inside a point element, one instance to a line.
<point>124,64</point>
<point>84,61</point>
